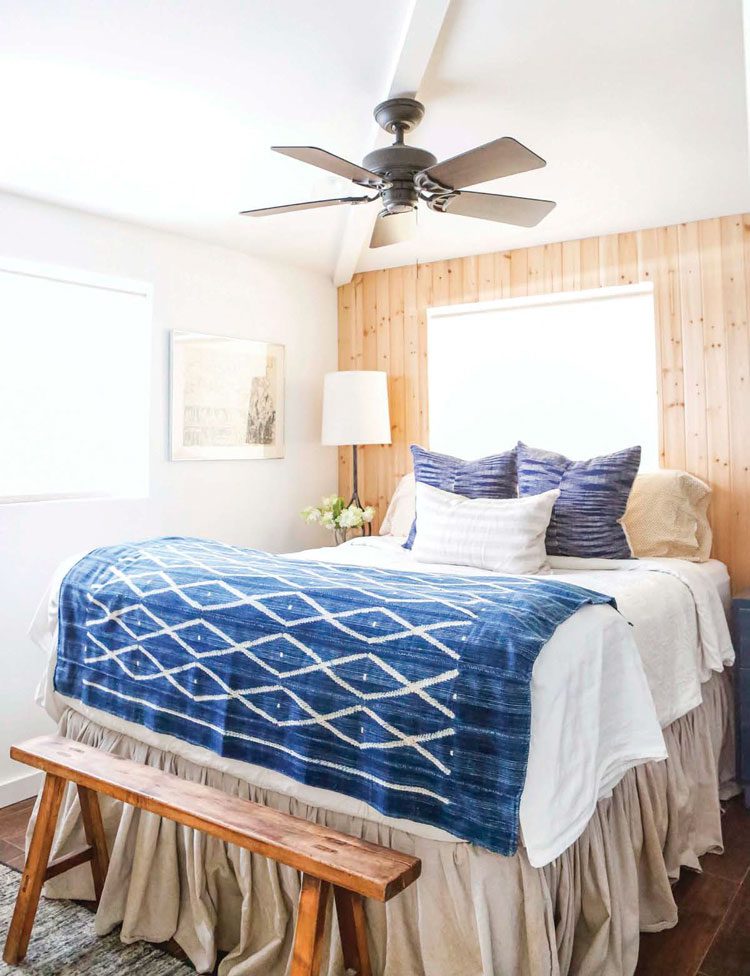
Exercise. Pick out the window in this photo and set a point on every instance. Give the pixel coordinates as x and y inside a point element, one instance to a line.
<point>573,372</point>
<point>74,385</point>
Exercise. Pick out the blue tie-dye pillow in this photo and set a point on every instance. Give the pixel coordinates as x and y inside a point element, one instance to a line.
<point>489,477</point>
<point>593,495</point>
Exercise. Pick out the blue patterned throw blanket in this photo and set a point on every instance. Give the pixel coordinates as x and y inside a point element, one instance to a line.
<point>410,691</point>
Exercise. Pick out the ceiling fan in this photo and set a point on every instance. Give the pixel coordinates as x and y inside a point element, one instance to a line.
<point>403,175</point>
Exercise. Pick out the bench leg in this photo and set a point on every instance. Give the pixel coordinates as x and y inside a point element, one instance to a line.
<point>94,829</point>
<point>308,936</point>
<point>351,915</point>
<point>34,870</point>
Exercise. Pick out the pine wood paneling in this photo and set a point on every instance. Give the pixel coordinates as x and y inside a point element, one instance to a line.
<point>736,283</point>
<point>693,360</point>
<point>702,297</point>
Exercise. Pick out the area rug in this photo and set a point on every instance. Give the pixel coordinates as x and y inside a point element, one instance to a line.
<point>63,942</point>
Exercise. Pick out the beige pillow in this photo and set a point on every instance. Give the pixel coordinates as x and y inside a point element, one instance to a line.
<point>402,509</point>
<point>667,515</point>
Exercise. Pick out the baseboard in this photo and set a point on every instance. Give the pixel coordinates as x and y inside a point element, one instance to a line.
<point>20,788</point>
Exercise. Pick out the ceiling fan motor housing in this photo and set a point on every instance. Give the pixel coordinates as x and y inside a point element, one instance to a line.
<point>399,164</point>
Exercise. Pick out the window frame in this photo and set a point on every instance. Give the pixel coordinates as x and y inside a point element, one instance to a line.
<point>89,279</point>
<point>574,296</point>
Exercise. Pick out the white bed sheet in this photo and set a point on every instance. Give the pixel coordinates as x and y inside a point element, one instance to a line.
<point>601,688</point>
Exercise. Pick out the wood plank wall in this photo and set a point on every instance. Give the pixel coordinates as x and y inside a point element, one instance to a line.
<point>701,276</point>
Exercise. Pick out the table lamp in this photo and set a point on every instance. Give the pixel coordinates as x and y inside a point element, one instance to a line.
<point>355,411</point>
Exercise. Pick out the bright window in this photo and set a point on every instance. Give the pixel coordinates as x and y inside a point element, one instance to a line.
<point>573,372</point>
<point>74,385</point>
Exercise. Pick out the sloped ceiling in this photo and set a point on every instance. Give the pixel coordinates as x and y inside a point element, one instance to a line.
<point>163,114</point>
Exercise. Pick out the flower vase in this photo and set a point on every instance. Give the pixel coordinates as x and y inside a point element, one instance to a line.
<point>339,535</point>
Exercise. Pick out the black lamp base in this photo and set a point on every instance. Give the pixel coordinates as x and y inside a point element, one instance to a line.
<point>355,500</point>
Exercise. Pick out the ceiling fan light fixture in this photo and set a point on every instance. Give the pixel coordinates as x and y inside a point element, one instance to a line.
<point>393,228</point>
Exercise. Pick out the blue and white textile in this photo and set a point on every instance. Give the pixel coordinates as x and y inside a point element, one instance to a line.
<point>487,477</point>
<point>586,519</point>
<point>409,691</point>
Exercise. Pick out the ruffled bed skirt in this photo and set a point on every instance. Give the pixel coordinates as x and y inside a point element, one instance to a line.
<point>472,913</point>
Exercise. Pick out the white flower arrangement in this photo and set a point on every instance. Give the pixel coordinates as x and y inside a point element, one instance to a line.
<point>335,515</point>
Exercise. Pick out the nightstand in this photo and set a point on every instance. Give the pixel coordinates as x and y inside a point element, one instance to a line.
<point>741,635</point>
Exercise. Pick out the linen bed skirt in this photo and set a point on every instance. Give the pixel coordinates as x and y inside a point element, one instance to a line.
<point>472,912</point>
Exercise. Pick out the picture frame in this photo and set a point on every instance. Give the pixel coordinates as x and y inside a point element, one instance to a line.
<point>226,398</point>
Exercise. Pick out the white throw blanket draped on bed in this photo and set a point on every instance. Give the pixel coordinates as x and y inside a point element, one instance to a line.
<point>592,712</point>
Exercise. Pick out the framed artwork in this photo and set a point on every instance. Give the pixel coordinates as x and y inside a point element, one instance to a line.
<point>227,398</point>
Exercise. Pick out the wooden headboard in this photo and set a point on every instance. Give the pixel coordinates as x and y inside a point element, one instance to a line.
<point>701,277</point>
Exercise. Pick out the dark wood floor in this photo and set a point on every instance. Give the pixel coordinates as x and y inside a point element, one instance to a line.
<point>712,937</point>
<point>13,821</point>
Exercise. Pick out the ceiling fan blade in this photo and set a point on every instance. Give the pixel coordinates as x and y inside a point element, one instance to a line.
<point>503,157</point>
<point>394,228</point>
<point>333,164</point>
<point>309,205</point>
<point>521,211</point>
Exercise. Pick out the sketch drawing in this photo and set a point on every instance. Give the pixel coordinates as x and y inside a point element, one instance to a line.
<point>227,398</point>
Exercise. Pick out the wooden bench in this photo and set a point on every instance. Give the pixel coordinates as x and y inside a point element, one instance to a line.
<point>355,868</point>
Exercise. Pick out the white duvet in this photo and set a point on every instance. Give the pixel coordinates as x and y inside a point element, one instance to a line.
<point>603,687</point>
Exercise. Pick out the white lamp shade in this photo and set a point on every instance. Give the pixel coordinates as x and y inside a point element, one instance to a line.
<point>355,408</point>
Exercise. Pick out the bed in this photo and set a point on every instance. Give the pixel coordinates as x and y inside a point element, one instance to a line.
<point>605,823</point>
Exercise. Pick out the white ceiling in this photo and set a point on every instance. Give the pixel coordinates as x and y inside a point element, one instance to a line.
<point>163,113</point>
<point>638,108</point>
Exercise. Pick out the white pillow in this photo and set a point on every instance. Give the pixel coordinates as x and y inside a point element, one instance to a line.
<point>504,535</point>
<point>400,513</point>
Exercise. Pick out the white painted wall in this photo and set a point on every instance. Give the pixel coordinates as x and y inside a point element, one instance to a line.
<point>196,287</point>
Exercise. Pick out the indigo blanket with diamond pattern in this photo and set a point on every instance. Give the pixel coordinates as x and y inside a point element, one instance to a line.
<point>410,691</point>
